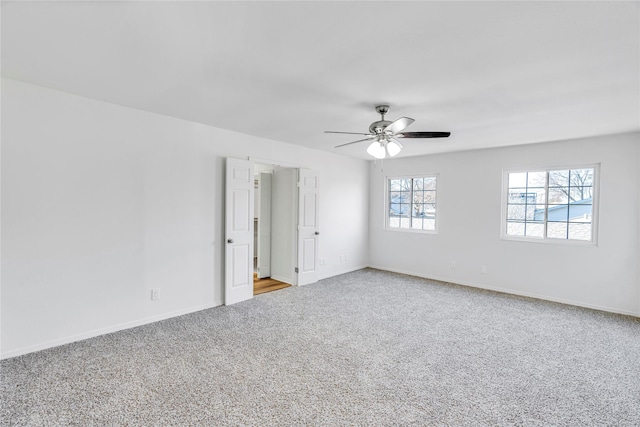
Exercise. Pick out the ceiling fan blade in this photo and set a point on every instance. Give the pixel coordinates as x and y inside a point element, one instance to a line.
<point>399,125</point>
<point>423,134</point>
<point>348,133</point>
<point>360,140</point>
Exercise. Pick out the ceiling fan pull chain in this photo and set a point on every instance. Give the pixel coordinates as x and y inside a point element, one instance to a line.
<point>375,164</point>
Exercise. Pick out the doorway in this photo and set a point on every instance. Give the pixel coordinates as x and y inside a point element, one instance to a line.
<point>294,227</point>
<point>274,227</point>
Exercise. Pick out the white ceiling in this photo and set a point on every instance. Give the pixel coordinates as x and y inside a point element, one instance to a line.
<point>492,73</point>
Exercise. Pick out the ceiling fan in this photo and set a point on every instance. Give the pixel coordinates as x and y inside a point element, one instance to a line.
<point>384,135</point>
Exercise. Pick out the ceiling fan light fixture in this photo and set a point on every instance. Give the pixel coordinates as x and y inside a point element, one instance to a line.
<point>393,148</point>
<point>377,149</point>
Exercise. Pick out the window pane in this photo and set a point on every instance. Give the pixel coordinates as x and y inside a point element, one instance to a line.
<point>518,179</point>
<point>534,229</point>
<point>557,213</point>
<point>394,222</point>
<point>394,185</point>
<point>515,212</point>
<point>536,196</point>
<point>580,231</point>
<point>430,210</point>
<point>557,230</point>
<point>418,197</point>
<point>558,195</point>
<point>430,183</point>
<point>519,195</point>
<point>582,177</point>
<point>535,213</point>
<point>399,209</point>
<point>515,228</point>
<point>396,197</point>
<point>405,222</point>
<point>429,224</point>
<point>580,212</point>
<point>405,185</point>
<point>416,223</point>
<point>429,196</point>
<point>418,210</point>
<point>536,179</point>
<point>418,183</point>
<point>559,178</point>
<point>580,193</point>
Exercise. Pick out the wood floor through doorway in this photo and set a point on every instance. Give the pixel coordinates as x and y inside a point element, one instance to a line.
<point>261,286</point>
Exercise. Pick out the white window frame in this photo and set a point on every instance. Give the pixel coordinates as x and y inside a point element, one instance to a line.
<point>595,206</point>
<point>387,202</point>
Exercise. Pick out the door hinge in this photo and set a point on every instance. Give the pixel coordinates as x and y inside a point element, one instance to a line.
<point>296,269</point>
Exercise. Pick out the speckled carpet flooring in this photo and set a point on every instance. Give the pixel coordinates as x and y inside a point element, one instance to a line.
<point>368,348</point>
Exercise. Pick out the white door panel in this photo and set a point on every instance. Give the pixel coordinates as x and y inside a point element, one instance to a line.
<point>308,230</point>
<point>239,231</point>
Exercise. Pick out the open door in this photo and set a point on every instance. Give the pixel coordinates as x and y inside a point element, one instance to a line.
<point>308,231</point>
<point>239,231</point>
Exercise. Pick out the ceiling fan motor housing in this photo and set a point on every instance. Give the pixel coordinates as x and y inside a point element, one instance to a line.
<point>378,127</point>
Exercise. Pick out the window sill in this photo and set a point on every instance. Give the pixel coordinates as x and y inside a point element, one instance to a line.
<point>565,242</point>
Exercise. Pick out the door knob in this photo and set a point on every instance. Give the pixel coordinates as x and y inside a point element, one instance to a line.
<point>229,240</point>
<point>317,233</point>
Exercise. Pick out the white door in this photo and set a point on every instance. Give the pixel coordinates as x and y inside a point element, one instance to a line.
<point>264,227</point>
<point>239,231</point>
<point>308,231</point>
<point>284,225</point>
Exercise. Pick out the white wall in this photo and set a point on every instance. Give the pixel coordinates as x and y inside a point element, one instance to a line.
<point>469,214</point>
<point>102,203</point>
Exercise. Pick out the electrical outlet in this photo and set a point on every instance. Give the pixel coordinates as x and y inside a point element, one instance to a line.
<point>453,265</point>
<point>323,261</point>
<point>155,294</point>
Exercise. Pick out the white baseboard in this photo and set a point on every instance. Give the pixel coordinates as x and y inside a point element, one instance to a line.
<point>103,331</point>
<point>510,291</point>
<point>343,271</point>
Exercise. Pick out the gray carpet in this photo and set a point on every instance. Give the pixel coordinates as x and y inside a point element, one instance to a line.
<point>364,348</point>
